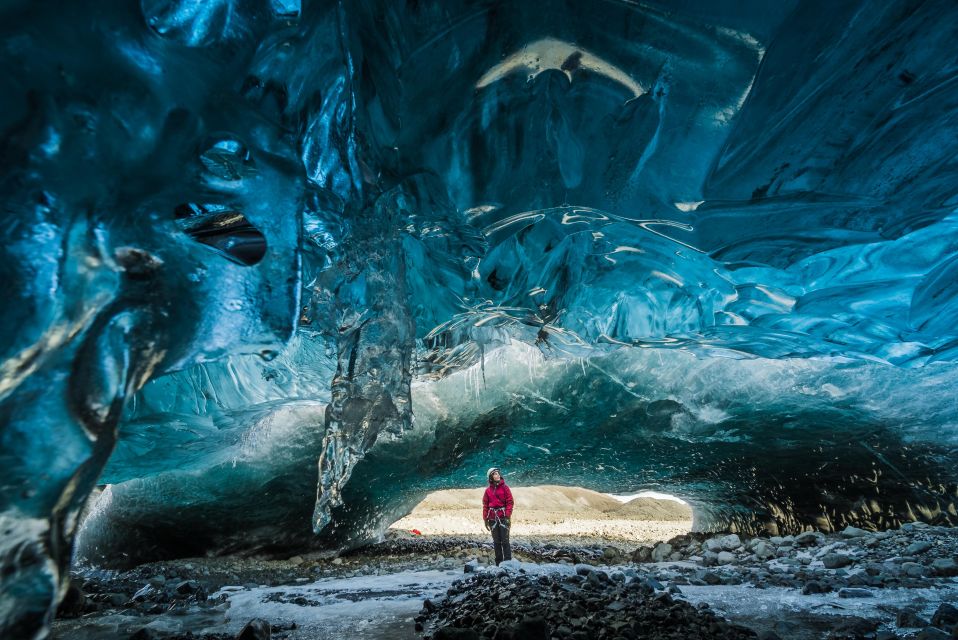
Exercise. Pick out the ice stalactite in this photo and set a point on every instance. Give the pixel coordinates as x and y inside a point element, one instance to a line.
<point>370,392</point>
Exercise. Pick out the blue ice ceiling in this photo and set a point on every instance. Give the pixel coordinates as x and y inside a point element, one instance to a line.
<point>275,269</point>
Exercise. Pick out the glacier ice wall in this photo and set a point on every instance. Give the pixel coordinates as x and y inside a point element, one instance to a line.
<point>275,269</point>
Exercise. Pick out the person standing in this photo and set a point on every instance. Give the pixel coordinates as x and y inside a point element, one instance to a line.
<point>497,513</point>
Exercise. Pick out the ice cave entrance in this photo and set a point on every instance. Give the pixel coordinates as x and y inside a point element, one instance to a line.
<point>561,514</point>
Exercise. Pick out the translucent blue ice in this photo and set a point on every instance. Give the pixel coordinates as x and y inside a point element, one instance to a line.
<point>274,269</point>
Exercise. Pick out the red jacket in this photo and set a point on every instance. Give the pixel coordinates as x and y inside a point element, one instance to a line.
<point>496,497</point>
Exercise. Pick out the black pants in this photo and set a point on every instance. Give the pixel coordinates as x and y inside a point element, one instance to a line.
<point>500,541</point>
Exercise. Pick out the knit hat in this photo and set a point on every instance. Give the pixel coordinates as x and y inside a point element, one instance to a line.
<point>491,471</point>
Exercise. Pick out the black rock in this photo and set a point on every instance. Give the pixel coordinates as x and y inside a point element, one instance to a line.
<point>146,634</point>
<point>945,617</point>
<point>712,578</point>
<point>187,587</point>
<point>813,587</point>
<point>527,629</point>
<point>73,603</point>
<point>908,619</point>
<point>854,628</point>
<point>642,554</point>
<point>455,633</point>
<point>255,629</point>
<point>809,538</point>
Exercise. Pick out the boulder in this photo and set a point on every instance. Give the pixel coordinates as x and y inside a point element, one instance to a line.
<point>642,554</point>
<point>835,560</point>
<point>730,542</point>
<point>809,539</point>
<point>854,532</point>
<point>726,557</point>
<point>916,548</point>
<point>187,587</point>
<point>946,616</point>
<point>610,554</point>
<point>945,567</point>
<point>661,551</point>
<point>813,586</point>
<point>909,619</point>
<point>255,629</point>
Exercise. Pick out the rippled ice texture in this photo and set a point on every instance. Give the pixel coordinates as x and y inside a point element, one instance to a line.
<point>704,247</point>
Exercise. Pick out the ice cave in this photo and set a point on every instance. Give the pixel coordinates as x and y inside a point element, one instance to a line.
<point>275,270</point>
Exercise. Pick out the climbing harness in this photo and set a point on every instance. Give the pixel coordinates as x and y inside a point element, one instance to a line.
<point>500,514</point>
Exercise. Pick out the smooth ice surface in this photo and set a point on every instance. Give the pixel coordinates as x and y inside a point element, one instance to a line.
<point>263,259</point>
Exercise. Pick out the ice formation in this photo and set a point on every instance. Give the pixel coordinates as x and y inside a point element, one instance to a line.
<point>274,270</point>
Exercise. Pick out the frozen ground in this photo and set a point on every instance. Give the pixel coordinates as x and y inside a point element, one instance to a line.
<point>803,617</point>
<point>373,607</point>
<point>799,588</point>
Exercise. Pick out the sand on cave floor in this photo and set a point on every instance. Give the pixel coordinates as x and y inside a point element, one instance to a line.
<point>553,514</point>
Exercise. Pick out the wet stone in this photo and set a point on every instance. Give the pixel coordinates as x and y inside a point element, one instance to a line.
<point>809,539</point>
<point>945,617</point>
<point>945,567</point>
<point>835,560</point>
<point>255,629</point>
<point>907,619</point>
<point>916,548</point>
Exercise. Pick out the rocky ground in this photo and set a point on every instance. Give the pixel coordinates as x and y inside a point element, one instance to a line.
<point>856,584</point>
